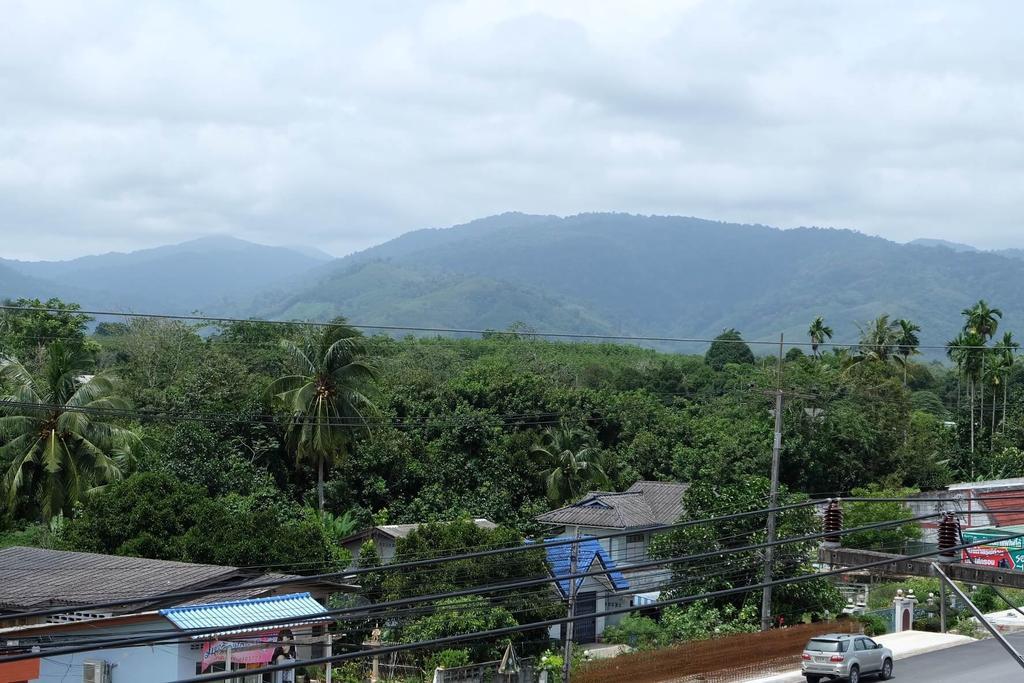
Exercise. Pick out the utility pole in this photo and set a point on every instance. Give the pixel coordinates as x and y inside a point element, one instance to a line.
<point>773,498</point>
<point>574,558</point>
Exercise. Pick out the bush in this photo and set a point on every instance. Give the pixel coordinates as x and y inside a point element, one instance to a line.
<point>874,625</point>
<point>448,659</point>
<point>642,633</point>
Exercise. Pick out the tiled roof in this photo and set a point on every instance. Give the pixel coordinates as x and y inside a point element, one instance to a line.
<point>234,616</point>
<point>32,578</point>
<point>645,503</point>
<point>996,503</point>
<point>591,551</point>
<point>403,530</point>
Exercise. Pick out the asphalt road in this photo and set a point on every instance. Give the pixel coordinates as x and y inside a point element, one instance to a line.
<point>978,662</point>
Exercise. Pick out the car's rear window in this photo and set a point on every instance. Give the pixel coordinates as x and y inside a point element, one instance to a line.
<point>827,645</point>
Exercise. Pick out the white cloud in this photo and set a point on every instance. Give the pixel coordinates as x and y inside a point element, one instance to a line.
<point>129,124</point>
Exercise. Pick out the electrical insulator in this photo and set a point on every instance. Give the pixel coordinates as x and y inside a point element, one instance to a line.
<point>949,535</point>
<point>833,521</point>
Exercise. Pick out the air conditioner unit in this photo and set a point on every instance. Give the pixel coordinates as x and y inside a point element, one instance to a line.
<point>96,672</point>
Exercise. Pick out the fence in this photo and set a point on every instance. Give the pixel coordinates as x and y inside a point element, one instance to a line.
<point>486,672</point>
<point>714,661</point>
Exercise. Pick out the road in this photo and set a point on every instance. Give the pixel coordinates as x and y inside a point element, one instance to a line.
<point>979,662</point>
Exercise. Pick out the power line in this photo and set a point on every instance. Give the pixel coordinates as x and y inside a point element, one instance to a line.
<point>358,571</point>
<point>368,611</point>
<point>453,330</point>
<point>494,633</point>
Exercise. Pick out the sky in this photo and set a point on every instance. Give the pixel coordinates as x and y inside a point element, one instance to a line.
<point>340,125</point>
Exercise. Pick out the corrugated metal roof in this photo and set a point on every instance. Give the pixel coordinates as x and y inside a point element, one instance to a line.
<point>235,615</point>
<point>591,551</point>
<point>645,503</point>
<point>403,530</point>
<point>1003,509</point>
<point>37,577</point>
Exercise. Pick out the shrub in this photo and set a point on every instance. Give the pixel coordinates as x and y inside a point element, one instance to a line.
<point>636,631</point>
<point>874,625</point>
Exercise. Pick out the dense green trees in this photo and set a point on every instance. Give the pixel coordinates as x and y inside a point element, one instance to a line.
<point>573,467</point>
<point>728,347</point>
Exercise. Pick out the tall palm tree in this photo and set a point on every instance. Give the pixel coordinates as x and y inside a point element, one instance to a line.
<point>1007,349</point>
<point>907,342</point>
<point>573,465</point>
<point>58,444</point>
<point>819,333</point>
<point>955,352</point>
<point>994,376</point>
<point>983,321</point>
<point>972,350</point>
<point>327,396</point>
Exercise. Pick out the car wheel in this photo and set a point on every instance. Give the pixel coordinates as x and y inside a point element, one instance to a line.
<point>854,674</point>
<point>886,673</point>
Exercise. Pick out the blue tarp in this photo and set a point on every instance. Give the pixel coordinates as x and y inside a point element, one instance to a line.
<point>591,552</point>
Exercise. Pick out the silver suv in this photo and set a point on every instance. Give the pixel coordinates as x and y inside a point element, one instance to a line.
<point>842,655</point>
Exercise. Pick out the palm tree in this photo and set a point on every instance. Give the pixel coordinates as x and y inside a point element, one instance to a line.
<point>955,352</point>
<point>1007,349</point>
<point>906,342</point>
<point>982,319</point>
<point>326,397</point>
<point>877,340</point>
<point>57,443</point>
<point>994,377</point>
<point>819,333</point>
<point>573,465</point>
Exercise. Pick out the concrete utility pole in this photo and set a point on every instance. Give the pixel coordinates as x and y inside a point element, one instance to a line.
<point>574,558</point>
<point>773,498</point>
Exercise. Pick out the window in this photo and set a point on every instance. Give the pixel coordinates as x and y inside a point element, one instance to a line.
<point>861,645</point>
<point>827,645</point>
<point>636,547</point>
<point>869,644</point>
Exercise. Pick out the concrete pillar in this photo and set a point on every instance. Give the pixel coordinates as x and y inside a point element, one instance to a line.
<point>903,611</point>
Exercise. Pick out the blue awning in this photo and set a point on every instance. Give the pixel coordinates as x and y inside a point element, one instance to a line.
<point>234,616</point>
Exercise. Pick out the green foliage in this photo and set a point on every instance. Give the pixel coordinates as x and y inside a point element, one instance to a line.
<point>707,499</point>
<point>728,348</point>
<point>456,616</point>
<point>25,334</point>
<point>642,633</point>
<point>887,539</point>
<point>874,625</point>
<point>154,515</point>
<point>448,659</point>
<point>701,620</point>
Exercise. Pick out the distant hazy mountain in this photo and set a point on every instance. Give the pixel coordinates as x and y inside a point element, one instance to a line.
<point>955,246</point>
<point>199,274</point>
<point>656,276</point>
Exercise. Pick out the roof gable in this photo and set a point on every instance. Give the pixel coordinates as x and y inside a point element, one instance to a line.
<point>645,503</point>
<point>591,551</point>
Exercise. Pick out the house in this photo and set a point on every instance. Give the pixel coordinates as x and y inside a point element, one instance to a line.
<point>385,537</point>
<point>594,594</point>
<point>642,507</point>
<point>33,579</point>
<point>39,579</point>
<point>992,503</point>
<point>236,647</point>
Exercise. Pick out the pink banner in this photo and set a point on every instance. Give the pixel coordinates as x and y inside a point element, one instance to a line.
<point>245,651</point>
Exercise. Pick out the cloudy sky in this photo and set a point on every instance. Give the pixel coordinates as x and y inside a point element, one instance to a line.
<point>341,124</point>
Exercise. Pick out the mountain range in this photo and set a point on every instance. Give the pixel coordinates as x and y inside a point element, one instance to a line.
<point>591,273</point>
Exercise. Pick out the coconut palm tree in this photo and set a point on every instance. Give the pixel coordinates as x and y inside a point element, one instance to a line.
<point>982,319</point>
<point>58,434</point>
<point>877,340</point>
<point>907,342</point>
<point>955,352</point>
<point>819,333</point>
<point>327,397</point>
<point>573,465</point>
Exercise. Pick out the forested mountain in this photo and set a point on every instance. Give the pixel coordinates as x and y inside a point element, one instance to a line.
<point>199,274</point>
<point>593,273</point>
<point>656,275</point>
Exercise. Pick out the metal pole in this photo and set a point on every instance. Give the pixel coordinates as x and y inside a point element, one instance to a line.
<point>977,613</point>
<point>574,555</point>
<point>942,607</point>
<point>773,497</point>
<point>329,671</point>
